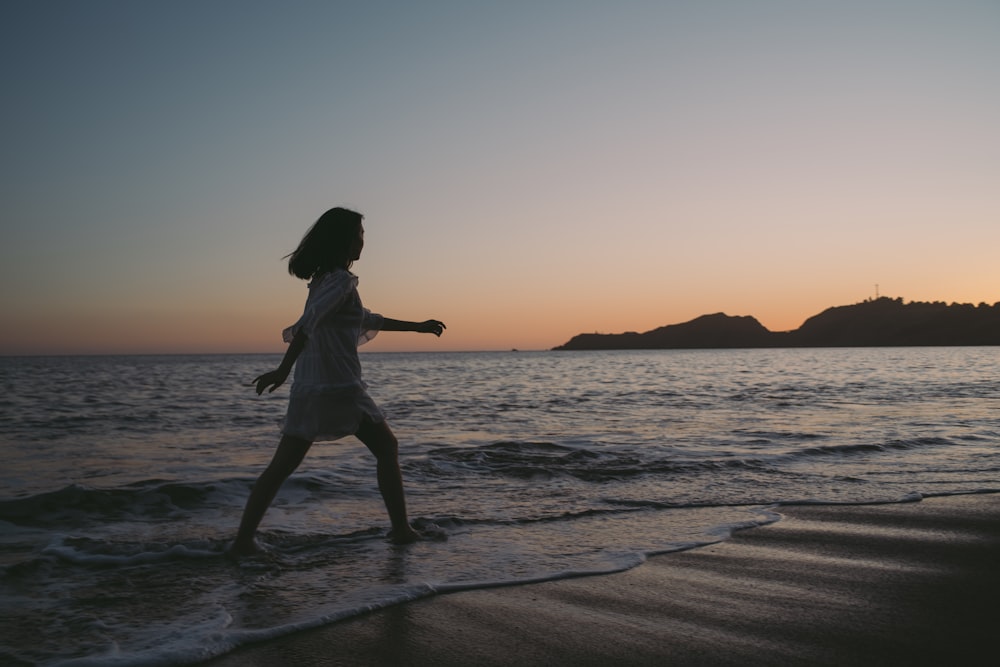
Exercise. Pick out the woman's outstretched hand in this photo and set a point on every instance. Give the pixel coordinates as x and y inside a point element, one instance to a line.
<point>272,379</point>
<point>432,327</point>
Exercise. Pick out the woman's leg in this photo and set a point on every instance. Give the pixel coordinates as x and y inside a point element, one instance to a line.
<point>287,457</point>
<point>379,439</point>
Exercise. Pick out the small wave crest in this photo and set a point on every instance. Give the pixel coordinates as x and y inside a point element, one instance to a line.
<point>102,553</point>
<point>870,448</point>
<point>528,460</point>
<point>79,506</point>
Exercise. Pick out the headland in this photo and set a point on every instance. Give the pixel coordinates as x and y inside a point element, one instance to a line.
<point>882,322</point>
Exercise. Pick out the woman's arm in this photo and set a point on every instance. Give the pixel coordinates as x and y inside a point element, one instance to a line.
<point>276,378</point>
<point>435,327</point>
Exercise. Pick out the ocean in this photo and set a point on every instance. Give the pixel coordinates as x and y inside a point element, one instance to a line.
<point>124,478</point>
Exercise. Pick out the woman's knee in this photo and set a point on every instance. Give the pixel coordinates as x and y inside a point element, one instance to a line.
<point>289,455</point>
<point>380,440</point>
<point>386,448</point>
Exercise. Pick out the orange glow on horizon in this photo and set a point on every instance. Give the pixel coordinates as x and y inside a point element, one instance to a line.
<point>535,328</point>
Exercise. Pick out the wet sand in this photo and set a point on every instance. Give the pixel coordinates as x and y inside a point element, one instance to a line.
<point>914,584</point>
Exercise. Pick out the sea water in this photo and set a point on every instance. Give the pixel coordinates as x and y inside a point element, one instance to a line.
<point>123,478</point>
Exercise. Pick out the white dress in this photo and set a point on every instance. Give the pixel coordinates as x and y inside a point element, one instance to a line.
<point>328,399</point>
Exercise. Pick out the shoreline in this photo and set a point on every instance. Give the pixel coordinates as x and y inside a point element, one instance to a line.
<point>914,583</point>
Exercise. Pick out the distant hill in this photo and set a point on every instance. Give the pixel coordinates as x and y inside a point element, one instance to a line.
<point>883,322</point>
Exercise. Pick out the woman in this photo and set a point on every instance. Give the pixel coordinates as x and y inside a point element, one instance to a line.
<point>328,399</point>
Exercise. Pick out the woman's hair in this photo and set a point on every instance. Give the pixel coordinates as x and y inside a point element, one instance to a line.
<point>327,244</point>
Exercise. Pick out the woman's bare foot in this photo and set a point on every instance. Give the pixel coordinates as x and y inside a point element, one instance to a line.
<point>403,535</point>
<point>244,549</point>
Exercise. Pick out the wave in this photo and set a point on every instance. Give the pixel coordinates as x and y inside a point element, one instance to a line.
<point>101,553</point>
<point>77,505</point>
<point>545,460</point>
<point>868,448</point>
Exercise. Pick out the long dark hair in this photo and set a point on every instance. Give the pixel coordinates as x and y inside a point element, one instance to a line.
<point>327,244</point>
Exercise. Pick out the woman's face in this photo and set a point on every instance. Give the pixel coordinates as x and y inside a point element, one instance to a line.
<point>357,244</point>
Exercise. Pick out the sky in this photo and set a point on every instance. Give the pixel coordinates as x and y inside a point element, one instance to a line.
<point>528,170</point>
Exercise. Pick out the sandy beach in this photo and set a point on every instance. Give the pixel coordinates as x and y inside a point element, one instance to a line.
<point>914,583</point>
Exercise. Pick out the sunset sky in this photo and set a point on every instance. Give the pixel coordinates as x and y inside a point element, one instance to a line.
<point>527,170</point>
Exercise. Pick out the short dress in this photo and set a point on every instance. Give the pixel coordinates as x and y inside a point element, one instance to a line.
<point>328,399</point>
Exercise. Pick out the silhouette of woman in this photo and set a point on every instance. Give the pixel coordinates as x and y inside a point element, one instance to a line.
<point>328,399</point>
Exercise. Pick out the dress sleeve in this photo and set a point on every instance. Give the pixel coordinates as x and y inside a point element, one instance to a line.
<point>325,296</point>
<point>371,324</point>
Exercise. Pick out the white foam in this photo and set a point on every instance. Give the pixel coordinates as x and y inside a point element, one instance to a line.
<point>59,549</point>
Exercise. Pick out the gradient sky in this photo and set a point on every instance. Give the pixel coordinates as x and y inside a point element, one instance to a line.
<point>528,170</point>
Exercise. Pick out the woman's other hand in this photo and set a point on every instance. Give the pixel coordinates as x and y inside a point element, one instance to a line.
<point>435,327</point>
<point>272,379</point>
